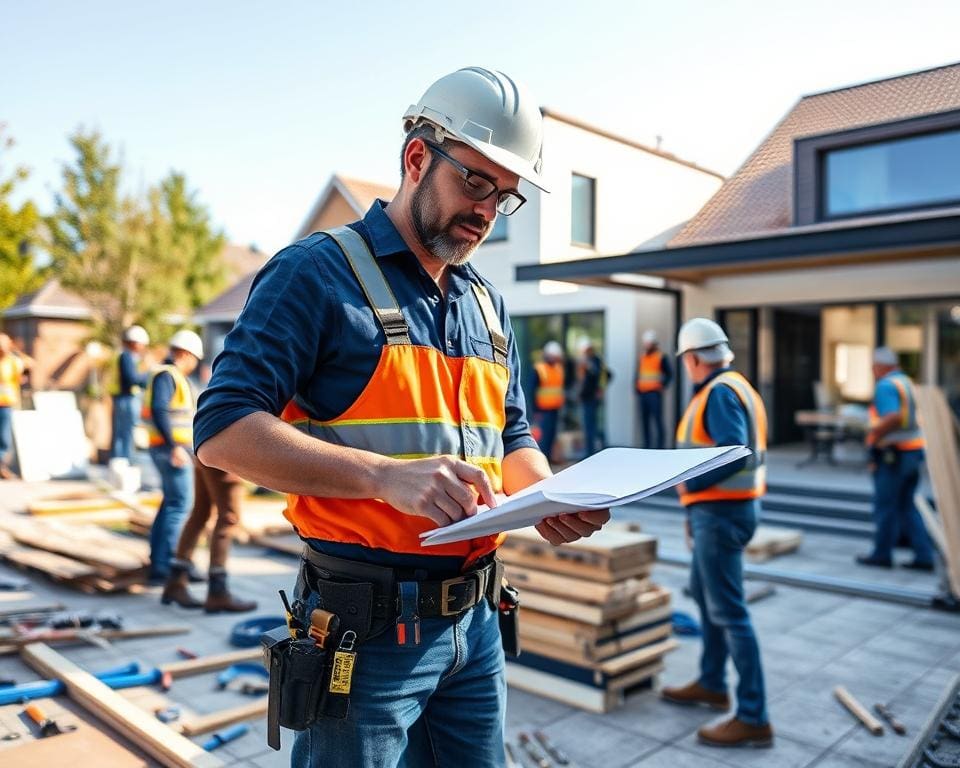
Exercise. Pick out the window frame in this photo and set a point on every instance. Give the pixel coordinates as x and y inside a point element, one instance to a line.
<point>593,211</point>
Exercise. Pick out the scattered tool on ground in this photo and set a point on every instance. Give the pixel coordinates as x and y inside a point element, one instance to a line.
<point>223,737</point>
<point>512,761</point>
<point>887,715</point>
<point>858,710</point>
<point>760,593</point>
<point>533,751</point>
<point>41,689</point>
<point>246,634</point>
<point>29,613</point>
<point>246,686</point>
<point>167,714</point>
<point>556,754</point>
<point>186,653</point>
<point>48,726</point>
<point>12,642</point>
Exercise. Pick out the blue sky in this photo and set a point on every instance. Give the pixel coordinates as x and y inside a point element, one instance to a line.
<point>259,103</point>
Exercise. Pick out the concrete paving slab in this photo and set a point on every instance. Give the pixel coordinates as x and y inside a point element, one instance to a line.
<point>836,760</point>
<point>674,757</point>
<point>810,717</point>
<point>590,740</point>
<point>786,753</point>
<point>650,716</point>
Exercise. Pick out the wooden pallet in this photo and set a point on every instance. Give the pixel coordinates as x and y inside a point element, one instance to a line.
<point>565,637</point>
<point>769,541</point>
<point>596,593</point>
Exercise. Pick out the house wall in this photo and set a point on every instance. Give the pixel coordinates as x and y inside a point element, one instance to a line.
<point>335,212</point>
<point>56,347</point>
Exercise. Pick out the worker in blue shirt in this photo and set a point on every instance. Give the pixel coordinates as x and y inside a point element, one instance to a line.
<point>723,507</point>
<point>373,376</point>
<point>896,450</point>
<point>127,380</point>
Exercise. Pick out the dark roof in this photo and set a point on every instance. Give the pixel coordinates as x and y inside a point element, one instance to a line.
<point>758,198</point>
<point>50,300</point>
<point>229,303</point>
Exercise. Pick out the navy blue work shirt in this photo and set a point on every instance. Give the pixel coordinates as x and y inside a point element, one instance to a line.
<point>727,423</point>
<point>161,393</point>
<point>130,375</point>
<point>307,329</point>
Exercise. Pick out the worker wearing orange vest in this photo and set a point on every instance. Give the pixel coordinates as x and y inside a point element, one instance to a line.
<point>722,510</point>
<point>654,374</point>
<point>550,395</point>
<point>12,367</point>
<point>896,448</point>
<point>374,377</point>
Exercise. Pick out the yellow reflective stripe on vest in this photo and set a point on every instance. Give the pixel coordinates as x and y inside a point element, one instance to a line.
<point>181,408</point>
<point>908,436</point>
<point>10,372</point>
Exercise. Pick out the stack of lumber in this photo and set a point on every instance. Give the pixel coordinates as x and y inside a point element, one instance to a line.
<point>769,541</point>
<point>593,627</point>
<point>86,557</point>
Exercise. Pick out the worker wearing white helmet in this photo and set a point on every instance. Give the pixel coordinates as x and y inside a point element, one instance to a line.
<point>169,405</point>
<point>374,377</point>
<point>549,395</point>
<point>654,374</point>
<point>126,376</point>
<point>722,511</point>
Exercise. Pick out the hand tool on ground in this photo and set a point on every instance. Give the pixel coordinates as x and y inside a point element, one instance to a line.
<point>234,671</point>
<point>511,756</point>
<point>167,714</point>
<point>246,634</point>
<point>887,715</point>
<point>222,737</point>
<point>48,726</point>
<point>556,754</point>
<point>41,689</point>
<point>760,593</point>
<point>186,653</point>
<point>858,710</point>
<point>533,751</point>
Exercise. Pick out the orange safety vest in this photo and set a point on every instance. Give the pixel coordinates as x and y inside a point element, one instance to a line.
<point>649,372</point>
<point>549,395</point>
<point>907,436</point>
<point>751,481</point>
<point>11,369</point>
<point>182,409</point>
<point>418,403</point>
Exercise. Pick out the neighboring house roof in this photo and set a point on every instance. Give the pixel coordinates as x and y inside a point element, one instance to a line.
<point>758,198</point>
<point>358,194</point>
<point>577,123</point>
<point>226,307</point>
<point>51,300</point>
<point>242,259</point>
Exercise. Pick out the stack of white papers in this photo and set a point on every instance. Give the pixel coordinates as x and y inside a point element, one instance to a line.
<point>611,478</point>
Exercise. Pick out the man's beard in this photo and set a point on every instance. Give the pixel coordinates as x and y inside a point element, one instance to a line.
<point>436,236</point>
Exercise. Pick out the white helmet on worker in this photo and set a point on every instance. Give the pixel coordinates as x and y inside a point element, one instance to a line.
<point>136,334</point>
<point>553,349</point>
<point>188,341</point>
<point>706,338</point>
<point>885,356</point>
<point>489,112</point>
<point>649,337</point>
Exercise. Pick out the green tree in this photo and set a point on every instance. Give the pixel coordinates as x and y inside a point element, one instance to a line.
<point>18,233</point>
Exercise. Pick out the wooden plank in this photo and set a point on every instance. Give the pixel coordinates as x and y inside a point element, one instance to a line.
<point>49,563</point>
<point>206,723</point>
<point>600,570</point>
<point>578,589</point>
<point>577,650</point>
<point>577,694</point>
<point>588,614</point>
<point>209,663</point>
<point>608,543</point>
<point>582,657</point>
<point>161,742</point>
<point>587,633</point>
<point>12,643</point>
<point>85,747</point>
<point>858,710</point>
<point>770,541</point>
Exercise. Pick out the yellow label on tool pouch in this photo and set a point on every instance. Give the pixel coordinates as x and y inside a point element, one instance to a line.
<point>342,673</point>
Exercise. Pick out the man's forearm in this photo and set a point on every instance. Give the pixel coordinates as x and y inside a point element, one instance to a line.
<point>265,450</point>
<point>524,467</point>
<point>884,427</point>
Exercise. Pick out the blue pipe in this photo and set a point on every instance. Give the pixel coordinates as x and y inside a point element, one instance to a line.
<point>40,689</point>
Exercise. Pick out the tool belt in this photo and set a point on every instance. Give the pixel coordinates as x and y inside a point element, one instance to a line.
<point>339,604</point>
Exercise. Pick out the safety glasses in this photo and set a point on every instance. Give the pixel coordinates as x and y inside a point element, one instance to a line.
<point>478,187</point>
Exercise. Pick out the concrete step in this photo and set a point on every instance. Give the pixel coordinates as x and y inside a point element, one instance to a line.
<point>819,491</point>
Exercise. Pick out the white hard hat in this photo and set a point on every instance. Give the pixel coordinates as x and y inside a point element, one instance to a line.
<point>136,334</point>
<point>188,341</point>
<point>553,349</point>
<point>885,356</point>
<point>488,111</point>
<point>584,344</point>
<point>700,334</point>
<point>649,337</point>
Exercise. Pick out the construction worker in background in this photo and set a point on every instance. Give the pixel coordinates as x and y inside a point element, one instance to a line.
<point>896,455</point>
<point>399,392</point>
<point>654,374</point>
<point>13,365</point>
<point>127,380</point>
<point>549,395</point>
<point>168,409</point>
<point>594,377</point>
<point>722,511</point>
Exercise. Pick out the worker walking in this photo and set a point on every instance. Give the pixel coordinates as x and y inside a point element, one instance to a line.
<point>168,409</point>
<point>594,377</point>
<point>896,456</point>
<point>13,365</point>
<point>398,390</point>
<point>722,510</point>
<point>550,395</point>
<point>654,374</point>
<point>127,380</point>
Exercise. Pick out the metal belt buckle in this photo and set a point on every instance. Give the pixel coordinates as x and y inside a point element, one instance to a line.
<point>446,597</point>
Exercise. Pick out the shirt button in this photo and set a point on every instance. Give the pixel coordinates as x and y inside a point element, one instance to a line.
<point>450,344</point>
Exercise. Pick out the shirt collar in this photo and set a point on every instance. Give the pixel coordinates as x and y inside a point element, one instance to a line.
<point>710,378</point>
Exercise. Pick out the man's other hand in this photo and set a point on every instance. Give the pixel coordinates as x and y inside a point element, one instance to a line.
<point>563,529</point>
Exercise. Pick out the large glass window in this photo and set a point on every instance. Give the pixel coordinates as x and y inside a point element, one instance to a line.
<point>848,337</point>
<point>582,210</point>
<point>741,328</point>
<point>902,173</point>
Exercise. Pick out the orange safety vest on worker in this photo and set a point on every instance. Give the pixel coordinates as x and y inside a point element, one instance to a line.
<point>907,436</point>
<point>182,409</point>
<point>751,481</point>
<point>418,403</point>
<point>650,372</point>
<point>11,370</point>
<point>549,394</point>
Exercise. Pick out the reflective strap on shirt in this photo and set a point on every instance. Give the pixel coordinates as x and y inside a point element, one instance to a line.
<point>375,286</point>
<point>497,339</point>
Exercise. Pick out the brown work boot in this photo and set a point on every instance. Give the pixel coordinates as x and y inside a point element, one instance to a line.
<point>736,733</point>
<point>694,693</point>
<point>224,602</point>
<point>176,591</point>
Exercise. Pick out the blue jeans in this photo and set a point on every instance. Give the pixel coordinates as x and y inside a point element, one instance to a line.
<point>548,426</point>
<point>590,408</point>
<point>893,509</point>
<point>440,703</point>
<point>177,485</point>
<point>6,432</point>
<point>651,418</point>
<point>124,418</point>
<point>720,532</point>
